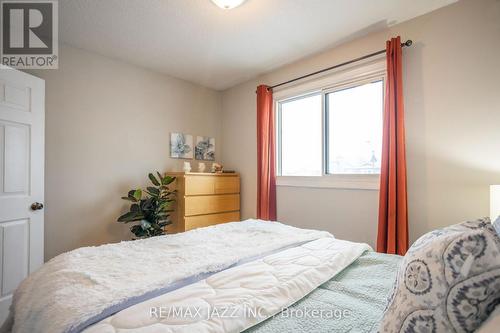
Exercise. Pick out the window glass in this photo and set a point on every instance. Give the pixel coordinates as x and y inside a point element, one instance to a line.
<point>354,129</point>
<point>301,136</point>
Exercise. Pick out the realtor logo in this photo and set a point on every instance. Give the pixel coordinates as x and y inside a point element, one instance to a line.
<point>29,34</point>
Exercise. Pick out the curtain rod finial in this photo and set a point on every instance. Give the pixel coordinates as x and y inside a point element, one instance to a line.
<point>409,42</point>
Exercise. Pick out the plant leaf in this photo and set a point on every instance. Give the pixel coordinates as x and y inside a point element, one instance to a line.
<point>138,231</point>
<point>137,194</point>
<point>167,180</point>
<point>130,217</point>
<point>145,224</point>
<point>154,180</point>
<point>135,208</point>
<point>164,203</point>
<point>160,177</point>
<point>153,191</point>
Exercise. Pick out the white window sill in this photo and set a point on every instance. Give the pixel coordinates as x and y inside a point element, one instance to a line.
<point>354,182</point>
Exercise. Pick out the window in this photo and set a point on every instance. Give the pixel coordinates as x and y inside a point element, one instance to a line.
<point>334,133</point>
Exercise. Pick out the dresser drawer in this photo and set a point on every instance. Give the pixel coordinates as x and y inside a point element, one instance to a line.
<point>198,205</point>
<point>193,222</point>
<point>207,185</point>
<point>227,185</point>
<point>199,185</point>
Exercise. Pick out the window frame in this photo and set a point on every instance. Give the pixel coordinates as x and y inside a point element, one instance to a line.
<point>340,80</point>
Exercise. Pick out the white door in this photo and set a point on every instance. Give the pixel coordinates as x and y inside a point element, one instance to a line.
<point>22,116</point>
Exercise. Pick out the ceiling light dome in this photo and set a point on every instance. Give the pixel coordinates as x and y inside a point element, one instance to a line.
<point>228,4</point>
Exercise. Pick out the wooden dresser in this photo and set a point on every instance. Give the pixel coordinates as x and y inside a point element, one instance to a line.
<point>204,199</point>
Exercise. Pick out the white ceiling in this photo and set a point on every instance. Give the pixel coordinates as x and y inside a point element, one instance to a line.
<point>199,42</point>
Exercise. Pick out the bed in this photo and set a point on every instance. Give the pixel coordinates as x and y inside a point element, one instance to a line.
<point>253,275</point>
<point>265,277</point>
<point>351,301</point>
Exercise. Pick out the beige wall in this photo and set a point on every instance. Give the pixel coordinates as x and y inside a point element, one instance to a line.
<point>107,126</point>
<point>452,95</point>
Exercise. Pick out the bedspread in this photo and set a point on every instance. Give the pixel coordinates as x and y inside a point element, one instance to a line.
<point>81,287</point>
<point>238,298</point>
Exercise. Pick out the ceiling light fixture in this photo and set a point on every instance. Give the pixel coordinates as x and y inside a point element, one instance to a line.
<point>228,4</point>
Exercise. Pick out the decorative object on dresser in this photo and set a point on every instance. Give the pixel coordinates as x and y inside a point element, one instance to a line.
<point>152,210</point>
<point>186,167</point>
<point>217,168</point>
<point>201,167</point>
<point>204,199</point>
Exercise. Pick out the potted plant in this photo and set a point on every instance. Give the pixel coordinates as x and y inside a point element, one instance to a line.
<point>150,207</point>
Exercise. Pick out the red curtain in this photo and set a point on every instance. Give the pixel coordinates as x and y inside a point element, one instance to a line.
<point>266,155</point>
<point>393,215</point>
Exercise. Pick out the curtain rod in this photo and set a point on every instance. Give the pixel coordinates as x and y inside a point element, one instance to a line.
<point>409,42</point>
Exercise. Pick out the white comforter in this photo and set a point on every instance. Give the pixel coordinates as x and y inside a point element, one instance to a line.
<point>83,286</point>
<point>238,298</point>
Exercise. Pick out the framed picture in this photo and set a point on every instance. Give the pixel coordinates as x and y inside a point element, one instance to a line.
<point>181,145</point>
<point>205,148</point>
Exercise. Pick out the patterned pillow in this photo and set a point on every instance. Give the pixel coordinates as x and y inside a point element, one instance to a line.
<point>449,281</point>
